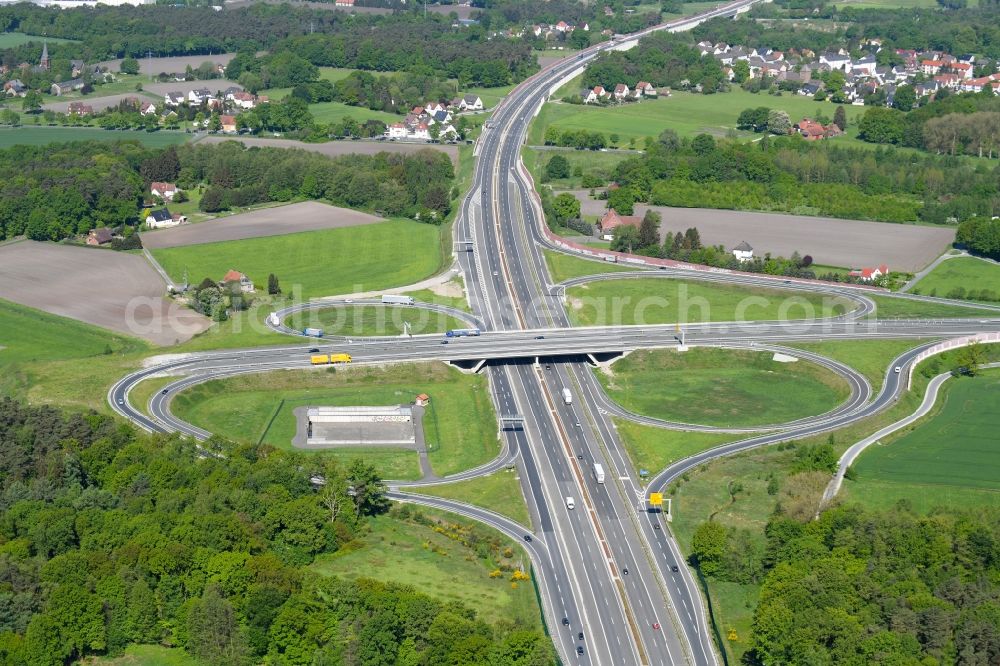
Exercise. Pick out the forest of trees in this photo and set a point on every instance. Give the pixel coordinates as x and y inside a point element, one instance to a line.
<point>111,538</point>
<point>966,124</point>
<point>60,190</point>
<point>663,59</point>
<point>863,587</point>
<point>789,174</point>
<point>980,235</point>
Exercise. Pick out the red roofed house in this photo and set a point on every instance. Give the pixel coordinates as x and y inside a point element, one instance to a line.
<point>813,131</point>
<point>422,400</point>
<point>621,91</point>
<point>931,67</point>
<point>228,124</point>
<point>246,284</point>
<point>645,88</point>
<point>165,191</point>
<point>80,109</point>
<point>963,69</point>
<point>612,220</point>
<point>100,236</point>
<point>869,274</point>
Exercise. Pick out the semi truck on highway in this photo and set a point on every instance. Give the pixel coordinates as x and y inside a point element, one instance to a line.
<point>463,332</point>
<point>389,299</point>
<point>326,359</point>
<point>599,472</point>
<point>313,332</point>
<point>567,396</point>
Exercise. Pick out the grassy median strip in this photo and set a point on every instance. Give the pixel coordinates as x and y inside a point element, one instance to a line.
<point>364,320</point>
<point>904,308</point>
<point>499,492</point>
<point>565,266</point>
<point>869,357</point>
<point>630,301</point>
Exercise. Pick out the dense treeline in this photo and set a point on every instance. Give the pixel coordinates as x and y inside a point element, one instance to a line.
<point>789,174</point>
<point>980,235</point>
<point>663,59</point>
<point>398,44</point>
<point>858,586</point>
<point>953,124</point>
<point>111,538</point>
<point>60,190</point>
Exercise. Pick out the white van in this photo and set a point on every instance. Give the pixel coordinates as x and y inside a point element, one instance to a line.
<point>570,503</point>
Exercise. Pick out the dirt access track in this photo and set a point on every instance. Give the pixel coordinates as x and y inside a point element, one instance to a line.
<point>277,221</point>
<point>111,289</point>
<point>338,148</point>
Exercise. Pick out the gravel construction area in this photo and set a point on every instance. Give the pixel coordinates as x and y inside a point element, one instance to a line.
<point>115,290</point>
<point>154,66</point>
<point>100,103</point>
<point>830,241</point>
<point>277,221</point>
<point>336,148</point>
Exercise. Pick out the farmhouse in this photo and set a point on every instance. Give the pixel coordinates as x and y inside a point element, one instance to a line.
<point>612,220</point>
<point>246,284</point>
<point>471,103</point>
<point>101,236</point>
<point>80,109</point>
<point>15,88</point>
<point>66,86</point>
<point>165,191</point>
<point>869,274</point>
<point>174,98</point>
<point>813,131</point>
<point>147,108</point>
<point>228,124</point>
<point>161,219</point>
<point>743,251</point>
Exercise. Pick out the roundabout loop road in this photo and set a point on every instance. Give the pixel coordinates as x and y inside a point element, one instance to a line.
<point>326,304</point>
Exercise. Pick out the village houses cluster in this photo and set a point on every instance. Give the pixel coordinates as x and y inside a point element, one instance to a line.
<point>927,72</point>
<point>14,87</point>
<point>620,93</point>
<point>433,120</point>
<point>228,103</point>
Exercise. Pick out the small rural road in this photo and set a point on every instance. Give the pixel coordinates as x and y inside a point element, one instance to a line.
<point>846,460</point>
<point>943,258</point>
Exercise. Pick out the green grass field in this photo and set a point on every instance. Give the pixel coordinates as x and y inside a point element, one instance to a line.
<point>653,449</point>
<point>869,357</point>
<point>661,301</point>
<point>965,272</point>
<point>374,320</point>
<point>324,263</point>
<point>686,113</point>
<point>439,563</point>
<point>9,40</point>
<point>40,136</point>
<point>889,308</point>
<point>671,385</point>
<point>333,112</point>
<point>146,655</point>
<point>459,424</point>
<point>591,163</point>
<point>566,266</point>
<point>499,492</point>
<point>951,458</point>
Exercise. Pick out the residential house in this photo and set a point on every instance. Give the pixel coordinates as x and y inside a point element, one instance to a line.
<point>471,103</point>
<point>80,109</point>
<point>593,95</point>
<point>612,220</point>
<point>645,88</point>
<point>951,81</point>
<point>199,96</point>
<point>931,67</point>
<point>397,131</point>
<point>835,60</point>
<point>228,124</point>
<point>242,99</point>
<point>246,284</point>
<point>14,88</point>
<point>101,236</point>
<point>344,3</point>
<point>421,131</point>
<point>64,87</point>
<point>926,89</point>
<point>813,131</point>
<point>161,219</point>
<point>174,98</point>
<point>810,89</point>
<point>165,191</point>
<point>621,91</point>
<point>963,69</point>
<point>147,108</point>
<point>864,66</point>
<point>869,274</point>
<point>743,251</point>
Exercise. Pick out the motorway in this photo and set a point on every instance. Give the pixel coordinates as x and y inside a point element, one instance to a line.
<point>580,555</point>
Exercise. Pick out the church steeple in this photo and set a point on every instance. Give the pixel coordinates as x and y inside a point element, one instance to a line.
<point>44,64</point>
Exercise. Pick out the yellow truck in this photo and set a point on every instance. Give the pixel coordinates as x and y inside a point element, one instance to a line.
<point>324,359</point>
<point>340,358</point>
<point>319,359</point>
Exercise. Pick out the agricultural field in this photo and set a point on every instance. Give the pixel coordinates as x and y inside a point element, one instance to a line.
<point>672,385</point>
<point>369,320</point>
<point>950,459</point>
<point>630,301</point>
<point>28,135</point>
<point>963,273</point>
<point>319,263</point>
<point>420,552</point>
<point>333,112</point>
<point>686,113</point>
<point>499,492</point>
<point>459,424</point>
<point>9,40</point>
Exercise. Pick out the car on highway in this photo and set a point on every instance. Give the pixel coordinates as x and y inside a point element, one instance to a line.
<point>625,571</point>
<point>579,456</point>
<point>579,636</point>
<point>163,392</point>
<point>527,537</point>
<point>120,401</point>
<point>539,337</point>
<point>656,625</point>
<point>444,342</point>
<point>565,621</point>
<point>579,649</point>
<point>898,369</point>
<point>674,568</point>
<point>314,350</point>
<point>656,526</point>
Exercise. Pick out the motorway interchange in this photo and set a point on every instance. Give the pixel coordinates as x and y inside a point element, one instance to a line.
<point>611,577</point>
